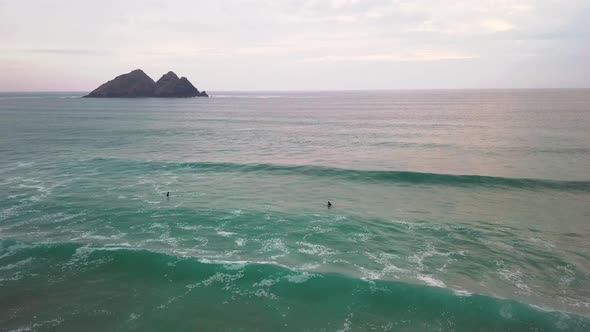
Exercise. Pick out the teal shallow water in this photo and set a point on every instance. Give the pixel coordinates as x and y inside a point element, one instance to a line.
<point>453,211</point>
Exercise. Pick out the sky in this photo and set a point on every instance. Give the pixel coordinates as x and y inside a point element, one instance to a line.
<point>221,45</point>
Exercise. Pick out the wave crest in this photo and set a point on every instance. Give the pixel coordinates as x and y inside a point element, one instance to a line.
<point>375,176</point>
<point>159,283</point>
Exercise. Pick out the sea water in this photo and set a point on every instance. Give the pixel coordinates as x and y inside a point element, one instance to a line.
<point>452,211</point>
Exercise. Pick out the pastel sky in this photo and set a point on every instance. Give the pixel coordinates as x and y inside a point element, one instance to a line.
<point>75,45</point>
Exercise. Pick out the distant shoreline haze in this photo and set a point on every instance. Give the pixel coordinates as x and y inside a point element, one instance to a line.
<point>214,92</point>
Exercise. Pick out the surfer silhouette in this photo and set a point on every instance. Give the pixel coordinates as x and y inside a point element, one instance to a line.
<point>168,195</point>
<point>329,205</point>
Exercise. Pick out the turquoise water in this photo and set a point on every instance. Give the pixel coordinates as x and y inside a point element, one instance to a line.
<point>453,211</point>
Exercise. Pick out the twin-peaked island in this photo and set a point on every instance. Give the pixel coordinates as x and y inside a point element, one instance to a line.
<point>138,84</point>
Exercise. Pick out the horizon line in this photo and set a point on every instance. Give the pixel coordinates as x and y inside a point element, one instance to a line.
<point>328,90</point>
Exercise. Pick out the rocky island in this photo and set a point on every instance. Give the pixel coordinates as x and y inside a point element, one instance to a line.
<point>139,84</point>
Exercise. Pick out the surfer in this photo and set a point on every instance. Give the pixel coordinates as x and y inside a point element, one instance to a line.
<point>329,205</point>
<point>168,195</point>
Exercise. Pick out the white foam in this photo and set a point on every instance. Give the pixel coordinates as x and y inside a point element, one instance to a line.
<point>567,277</point>
<point>225,234</point>
<point>319,230</point>
<point>15,265</point>
<point>90,236</point>
<point>12,211</point>
<point>85,250</point>
<point>265,283</point>
<point>264,293</point>
<point>27,328</point>
<point>516,278</point>
<point>462,292</point>
<point>158,225</point>
<point>361,237</point>
<point>315,249</point>
<point>240,263</point>
<point>24,164</point>
<point>16,196</point>
<point>124,244</point>
<point>574,302</point>
<point>15,277</point>
<point>299,278</point>
<point>369,275</point>
<point>431,281</point>
<point>547,244</point>
<point>274,245</point>
<point>429,251</point>
<point>383,258</point>
<point>310,266</point>
<point>189,228</point>
<point>500,245</point>
<point>222,278</point>
<point>61,217</point>
<point>347,323</point>
<point>235,265</point>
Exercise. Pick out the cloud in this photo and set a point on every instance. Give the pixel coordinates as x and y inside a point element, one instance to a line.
<point>393,57</point>
<point>57,51</point>
<point>497,25</point>
<point>226,37</point>
<point>343,3</point>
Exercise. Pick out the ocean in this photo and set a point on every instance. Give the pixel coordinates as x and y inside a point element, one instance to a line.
<point>453,210</point>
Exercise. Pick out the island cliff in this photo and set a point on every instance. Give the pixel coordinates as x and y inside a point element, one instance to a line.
<point>169,85</point>
<point>138,84</point>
